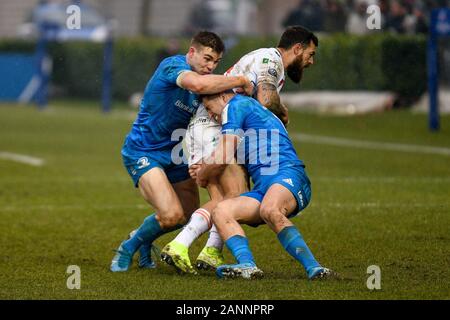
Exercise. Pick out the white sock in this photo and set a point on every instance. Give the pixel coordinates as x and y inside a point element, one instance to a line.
<point>199,223</point>
<point>214,239</point>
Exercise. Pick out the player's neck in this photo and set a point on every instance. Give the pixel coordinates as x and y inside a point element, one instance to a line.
<point>284,57</point>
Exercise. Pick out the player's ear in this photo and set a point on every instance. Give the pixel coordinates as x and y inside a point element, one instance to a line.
<point>191,51</point>
<point>298,49</point>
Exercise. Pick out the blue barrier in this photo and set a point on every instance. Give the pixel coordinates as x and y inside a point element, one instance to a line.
<point>440,27</point>
<point>18,80</point>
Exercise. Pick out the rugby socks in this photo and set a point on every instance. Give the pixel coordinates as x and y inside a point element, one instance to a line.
<point>214,239</point>
<point>199,223</point>
<point>147,232</point>
<point>292,241</point>
<point>238,245</point>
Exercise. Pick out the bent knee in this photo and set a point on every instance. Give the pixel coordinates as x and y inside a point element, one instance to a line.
<point>171,219</point>
<point>221,212</point>
<point>270,213</point>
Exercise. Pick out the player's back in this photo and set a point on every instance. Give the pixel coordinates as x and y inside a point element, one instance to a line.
<point>266,143</point>
<point>164,108</point>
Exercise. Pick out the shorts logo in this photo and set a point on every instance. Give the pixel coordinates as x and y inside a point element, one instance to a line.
<point>289,182</point>
<point>143,162</point>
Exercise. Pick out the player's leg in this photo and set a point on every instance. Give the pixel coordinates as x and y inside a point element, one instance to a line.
<point>227,217</point>
<point>233,182</point>
<point>157,190</point>
<point>279,202</point>
<point>176,252</point>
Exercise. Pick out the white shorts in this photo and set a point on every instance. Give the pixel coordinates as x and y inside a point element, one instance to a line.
<point>202,136</point>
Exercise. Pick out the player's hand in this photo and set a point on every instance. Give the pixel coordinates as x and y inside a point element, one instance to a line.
<point>193,170</point>
<point>248,87</point>
<point>199,177</point>
<point>201,182</point>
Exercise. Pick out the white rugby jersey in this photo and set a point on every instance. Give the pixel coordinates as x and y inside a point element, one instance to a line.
<point>261,66</point>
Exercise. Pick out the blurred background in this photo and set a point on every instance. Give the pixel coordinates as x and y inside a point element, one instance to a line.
<point>357,69</point>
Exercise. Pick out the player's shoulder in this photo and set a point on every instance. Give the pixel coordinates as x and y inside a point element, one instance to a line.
<point>242,103</point>
<point>268,55</point>
<point>174,61</point>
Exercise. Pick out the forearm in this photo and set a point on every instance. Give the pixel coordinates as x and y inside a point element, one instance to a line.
<point>210,84</point>
<point>268,96</point>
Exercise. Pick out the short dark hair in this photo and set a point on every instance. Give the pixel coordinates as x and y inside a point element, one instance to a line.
<point>297,34</point>
<point>208,39</point>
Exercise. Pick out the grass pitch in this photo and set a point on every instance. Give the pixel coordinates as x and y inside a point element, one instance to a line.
<point>370,207</point>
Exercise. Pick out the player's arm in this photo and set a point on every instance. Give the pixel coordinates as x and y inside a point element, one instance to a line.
<point>211,83</point>
<point>215,164</point>
<point>268,96</point>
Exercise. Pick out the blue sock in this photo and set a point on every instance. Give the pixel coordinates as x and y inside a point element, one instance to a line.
<point>148,232</point>
<point>238,245</point>
<point>292,241</point>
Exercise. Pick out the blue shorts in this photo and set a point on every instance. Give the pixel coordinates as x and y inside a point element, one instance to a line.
<point>139,163</point>
<point>293,178</point>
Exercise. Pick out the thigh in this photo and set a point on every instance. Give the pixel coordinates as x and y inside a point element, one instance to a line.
<point>234,181</point>
<point>157,190</point>
<point>281,198</point>
<point>187,193</point>
<point>244,210</point>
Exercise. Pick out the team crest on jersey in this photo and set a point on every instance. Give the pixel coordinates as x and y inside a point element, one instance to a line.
<point>273,72</point>
<point>289,182</point>
<point>143,162</point>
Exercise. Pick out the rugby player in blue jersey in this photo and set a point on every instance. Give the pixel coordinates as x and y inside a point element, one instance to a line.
<point>281,187</point>
<point>170,100</point>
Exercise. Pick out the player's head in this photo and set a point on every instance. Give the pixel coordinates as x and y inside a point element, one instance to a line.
<point>298,45</point>
<point>215,103</point>
<point>205,52</point>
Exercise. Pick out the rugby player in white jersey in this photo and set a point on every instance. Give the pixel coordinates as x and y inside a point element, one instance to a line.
<point>266,68</point>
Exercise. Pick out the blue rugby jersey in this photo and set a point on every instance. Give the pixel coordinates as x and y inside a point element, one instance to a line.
<point>165,107</point>
<point>266,141</point>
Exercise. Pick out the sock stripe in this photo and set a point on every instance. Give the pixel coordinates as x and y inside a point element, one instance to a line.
<point>206,215</point>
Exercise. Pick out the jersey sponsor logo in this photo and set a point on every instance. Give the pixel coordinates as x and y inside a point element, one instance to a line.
<point>273,72</point>
<point>289,182</point>
<point>184,107</point>
<point>142,163</point>
<point>300,196</point>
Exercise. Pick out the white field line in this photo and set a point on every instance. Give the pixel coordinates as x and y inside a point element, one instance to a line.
<point>374,145</point>
<point>21,158</point>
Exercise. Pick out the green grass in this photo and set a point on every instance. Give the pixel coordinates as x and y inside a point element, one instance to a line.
<point>369,207</point>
